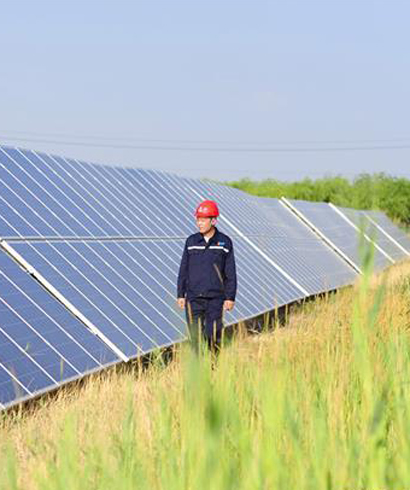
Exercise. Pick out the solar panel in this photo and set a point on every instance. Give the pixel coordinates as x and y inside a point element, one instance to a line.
<point>337,231</point>
<point>362,222</point>
<point>321,268</point>
<point>103,279</point>
<point>111,283</point>
<point>390,230</point>
<point>42,345</point>
<point>72,199</point>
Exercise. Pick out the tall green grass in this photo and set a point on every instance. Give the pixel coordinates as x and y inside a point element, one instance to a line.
<point>320,404</point>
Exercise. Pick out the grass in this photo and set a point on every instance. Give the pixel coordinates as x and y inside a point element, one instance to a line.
<point>320,404</point>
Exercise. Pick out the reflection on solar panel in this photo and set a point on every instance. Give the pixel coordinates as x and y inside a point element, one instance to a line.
<point>41,344</point>
<point>102,246</point>
<point>337,230</point>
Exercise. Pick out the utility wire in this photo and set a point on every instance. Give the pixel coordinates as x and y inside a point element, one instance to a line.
<point>14,135</point>
<point>204,149</point>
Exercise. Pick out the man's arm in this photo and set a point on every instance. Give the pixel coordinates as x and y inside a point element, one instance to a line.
<point>182,278</point>
<point>230,279</point>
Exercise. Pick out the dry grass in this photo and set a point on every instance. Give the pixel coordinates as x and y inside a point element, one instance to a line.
<point>318,353</point>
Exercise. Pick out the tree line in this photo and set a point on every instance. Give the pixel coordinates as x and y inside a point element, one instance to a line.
<point>366,191</point>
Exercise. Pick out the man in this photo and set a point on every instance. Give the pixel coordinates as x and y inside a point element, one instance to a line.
<point>207,278</point>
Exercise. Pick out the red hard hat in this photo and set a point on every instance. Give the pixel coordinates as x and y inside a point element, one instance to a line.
<point>207,209</point>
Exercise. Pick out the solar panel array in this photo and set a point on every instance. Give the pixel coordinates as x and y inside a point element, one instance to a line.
<point>90,254</point>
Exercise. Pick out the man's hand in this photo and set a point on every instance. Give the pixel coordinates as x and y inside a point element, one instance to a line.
<point>181,303</point>
<point>228,305</point>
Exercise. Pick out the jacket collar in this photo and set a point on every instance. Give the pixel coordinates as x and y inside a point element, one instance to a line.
<point>214,238</point>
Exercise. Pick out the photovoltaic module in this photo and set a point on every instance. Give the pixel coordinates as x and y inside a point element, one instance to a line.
<point>90,253</point>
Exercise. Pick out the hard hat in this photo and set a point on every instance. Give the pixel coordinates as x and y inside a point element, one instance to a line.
<point>207,209</point>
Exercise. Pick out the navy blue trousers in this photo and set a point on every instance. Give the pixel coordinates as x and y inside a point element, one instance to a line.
<point>205,322</point>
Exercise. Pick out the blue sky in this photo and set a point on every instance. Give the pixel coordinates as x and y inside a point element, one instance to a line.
<point>253,88</point>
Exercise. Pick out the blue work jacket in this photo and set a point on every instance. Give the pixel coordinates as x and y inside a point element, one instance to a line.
<point>207,270</point>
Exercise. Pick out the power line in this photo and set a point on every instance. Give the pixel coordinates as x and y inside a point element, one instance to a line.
<point>7,134</point>
<point>204,149</point>
<point>10,134</point>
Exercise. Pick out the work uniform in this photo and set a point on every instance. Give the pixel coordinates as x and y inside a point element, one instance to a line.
<point>207,277</point>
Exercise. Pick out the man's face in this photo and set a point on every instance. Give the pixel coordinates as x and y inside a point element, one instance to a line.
<point>204,224</point>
